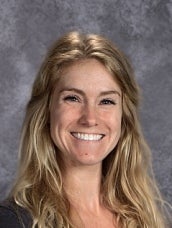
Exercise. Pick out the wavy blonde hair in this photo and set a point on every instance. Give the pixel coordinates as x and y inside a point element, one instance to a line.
<point>128,187</point>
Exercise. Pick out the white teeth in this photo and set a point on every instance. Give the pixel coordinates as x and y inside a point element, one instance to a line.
<point>89,137</point>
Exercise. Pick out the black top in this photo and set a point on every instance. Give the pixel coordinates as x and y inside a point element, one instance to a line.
<point>14,216</point>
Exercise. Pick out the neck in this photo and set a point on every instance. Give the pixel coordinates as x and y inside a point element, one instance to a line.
<point>82,186</point>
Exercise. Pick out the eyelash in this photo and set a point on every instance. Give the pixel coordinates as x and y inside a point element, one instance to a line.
<point>71,98</point>
<point>107,102</point>
<point>74,98</point>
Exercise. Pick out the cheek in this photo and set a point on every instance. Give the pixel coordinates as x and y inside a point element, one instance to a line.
<point>115,127</point>
<point>113,119</point>
<point>57,119</point>
<point>61,117</point>
<point>57,125</point>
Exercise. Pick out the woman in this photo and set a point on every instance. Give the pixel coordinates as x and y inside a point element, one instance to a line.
<point>83,158</point>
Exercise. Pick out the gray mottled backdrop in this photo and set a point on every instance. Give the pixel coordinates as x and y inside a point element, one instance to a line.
<point>142,29</point>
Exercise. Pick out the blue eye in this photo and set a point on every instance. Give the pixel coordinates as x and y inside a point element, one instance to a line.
<point>71,98</point>
<point>107,102</point>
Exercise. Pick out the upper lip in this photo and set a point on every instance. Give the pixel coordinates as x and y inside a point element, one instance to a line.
<point>89,133</point>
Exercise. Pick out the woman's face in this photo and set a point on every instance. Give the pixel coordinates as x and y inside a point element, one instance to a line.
<point>85,113</point>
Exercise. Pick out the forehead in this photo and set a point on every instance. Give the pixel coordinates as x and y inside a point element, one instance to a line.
<point>88,74</point>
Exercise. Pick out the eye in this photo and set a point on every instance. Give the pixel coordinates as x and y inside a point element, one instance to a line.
<point>107,102</point>
<point>71,98</point>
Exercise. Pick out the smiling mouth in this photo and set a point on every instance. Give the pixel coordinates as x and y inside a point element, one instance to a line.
<point>87,137</point>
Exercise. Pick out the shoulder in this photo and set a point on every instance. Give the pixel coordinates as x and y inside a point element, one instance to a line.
<point>14,216</point>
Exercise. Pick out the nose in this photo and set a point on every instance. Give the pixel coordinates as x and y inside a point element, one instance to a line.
<point>89,116</point>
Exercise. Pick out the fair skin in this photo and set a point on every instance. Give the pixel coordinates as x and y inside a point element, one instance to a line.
<point>85,124</point>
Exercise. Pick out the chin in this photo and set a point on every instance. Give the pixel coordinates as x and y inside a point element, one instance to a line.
<point>87,160</point>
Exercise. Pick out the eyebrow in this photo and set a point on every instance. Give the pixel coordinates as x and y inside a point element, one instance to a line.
<point>110,92</point>
<point>103,93</point>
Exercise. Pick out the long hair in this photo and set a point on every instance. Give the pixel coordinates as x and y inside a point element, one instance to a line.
<point>128,186</point>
